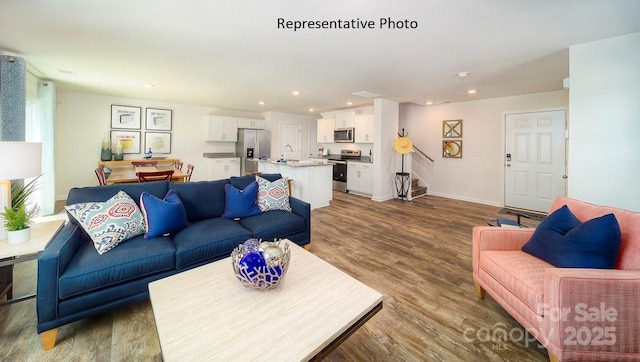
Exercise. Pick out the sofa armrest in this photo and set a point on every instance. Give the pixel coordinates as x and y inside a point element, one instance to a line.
<point>592,309</point>
<point>497,238</point>
<point>51,263</point>
<point>303,209</point>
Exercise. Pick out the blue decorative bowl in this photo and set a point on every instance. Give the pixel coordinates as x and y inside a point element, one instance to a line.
<point>262,269</point>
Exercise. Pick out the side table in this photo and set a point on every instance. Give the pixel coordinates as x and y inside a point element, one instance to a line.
<point>10,254</point>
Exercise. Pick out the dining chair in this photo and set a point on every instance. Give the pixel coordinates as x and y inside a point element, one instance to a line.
<point>179,165</point>
<point>102,177</point>
<point>144,163</point>
<point>189,173</point>
<point>154,176</point>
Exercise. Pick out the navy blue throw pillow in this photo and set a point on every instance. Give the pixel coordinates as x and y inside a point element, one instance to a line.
<point>162,216</point>
<point>564,242</point>
<point>241,203</point>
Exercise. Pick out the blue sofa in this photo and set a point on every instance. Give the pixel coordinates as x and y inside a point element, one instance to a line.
<point>75,282</point>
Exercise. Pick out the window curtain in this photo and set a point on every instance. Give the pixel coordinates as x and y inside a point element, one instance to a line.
<point>47,116</point>
<point>12,98</point>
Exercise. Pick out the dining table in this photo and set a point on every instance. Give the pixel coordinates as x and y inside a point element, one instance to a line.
<point>121,175</point>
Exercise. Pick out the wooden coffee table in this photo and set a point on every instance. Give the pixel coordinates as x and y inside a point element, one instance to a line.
<point>206,314</point>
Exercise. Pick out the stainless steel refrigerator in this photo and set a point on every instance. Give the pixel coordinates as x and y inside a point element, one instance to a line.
<point>252,143</point>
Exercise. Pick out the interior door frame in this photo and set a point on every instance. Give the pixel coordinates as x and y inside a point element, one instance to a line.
<point>503,144</point>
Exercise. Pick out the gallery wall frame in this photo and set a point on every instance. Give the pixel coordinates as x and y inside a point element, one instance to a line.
<point>130,141</point>
<point>452,128</point>
<point>452,148</point>
<point>159,142</point>
<point>125,117</point>
<point>158,119</point>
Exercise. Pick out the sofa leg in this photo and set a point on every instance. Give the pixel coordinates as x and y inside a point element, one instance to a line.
<point>307,247</point>
<point>553,358</point>
<point>480,292</point>
<point>49,338</point>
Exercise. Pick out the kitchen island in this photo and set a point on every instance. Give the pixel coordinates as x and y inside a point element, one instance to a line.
<point>312,180</point>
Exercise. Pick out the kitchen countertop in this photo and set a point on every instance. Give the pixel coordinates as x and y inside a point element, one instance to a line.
<point>220,155</point>
<point>365,159</point>
<point>304,163</point>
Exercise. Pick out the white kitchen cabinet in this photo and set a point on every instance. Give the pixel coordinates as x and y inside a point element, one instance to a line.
<point>325,130</point>
<point>222,168</point>
<point>364,129</point>
<point>220,129</point>
<point>360,177</point>
<point>252,123</point>
<point>345,119</point>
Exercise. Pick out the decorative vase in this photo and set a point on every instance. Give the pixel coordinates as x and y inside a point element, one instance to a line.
<point>118,154</point>
<point>105,155</point>
<point>18,236</point>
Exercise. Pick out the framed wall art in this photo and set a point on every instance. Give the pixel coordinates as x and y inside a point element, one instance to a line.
<point>452,128</point>
<point>452,148</point>
<point>159,142</point>
<point>158,119</point>
<point>125,117</point>
<point>130,141</point>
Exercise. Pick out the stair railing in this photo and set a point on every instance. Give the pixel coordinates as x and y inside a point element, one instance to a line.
<point>423,154</point>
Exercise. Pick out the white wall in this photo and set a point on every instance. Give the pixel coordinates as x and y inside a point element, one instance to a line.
<point>604,126</point>
<point>83,119</point>
<point>385,132</point>
<point>478,175</point>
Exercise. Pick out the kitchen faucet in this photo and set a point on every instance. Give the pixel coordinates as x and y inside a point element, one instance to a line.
<point>290,148</point>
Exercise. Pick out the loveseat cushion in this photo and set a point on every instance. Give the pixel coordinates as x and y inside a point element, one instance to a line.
<point>563,241</point>
<point>272,224</point>
<point>202,200</point>
<point>521,274</point>
<point>207,239</point>
<point>136,258</point>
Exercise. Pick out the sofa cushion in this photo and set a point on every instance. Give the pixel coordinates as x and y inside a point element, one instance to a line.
<point>134,259</point>
<point>274,224</point>
<point>207,239</point>
<point>241,203</point>
<point>592,244</point>
<point>165,216</point>
<point>109,223</point>
<point>273,195</point>
<point>519,273</point>
<point>104,193</point>
<point>202,200</point>
<point>241,182</point>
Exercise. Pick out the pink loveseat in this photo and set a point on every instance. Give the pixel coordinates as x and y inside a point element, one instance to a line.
<point>577,314</point>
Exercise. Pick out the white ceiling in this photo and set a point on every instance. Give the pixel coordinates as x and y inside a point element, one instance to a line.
<point>230,54</point>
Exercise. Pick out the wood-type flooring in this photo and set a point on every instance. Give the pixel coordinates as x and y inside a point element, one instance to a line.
<point>417,254</point>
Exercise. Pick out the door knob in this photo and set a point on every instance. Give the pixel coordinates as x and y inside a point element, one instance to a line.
<point>508,165</point>
<point>565,177</point>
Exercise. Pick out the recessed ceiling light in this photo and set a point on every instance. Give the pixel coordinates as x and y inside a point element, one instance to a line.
<point>349,103</point>
<point>463,74</point>
<point>311,109</point>
<point>261,103</point>
<point>296,93</point>
<point>429,103</point>
<point>472,91</point>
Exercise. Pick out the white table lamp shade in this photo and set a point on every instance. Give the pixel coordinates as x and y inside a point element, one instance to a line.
<point>19,160</point>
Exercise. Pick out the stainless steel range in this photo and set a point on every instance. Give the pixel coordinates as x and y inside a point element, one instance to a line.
<point>340,168</point>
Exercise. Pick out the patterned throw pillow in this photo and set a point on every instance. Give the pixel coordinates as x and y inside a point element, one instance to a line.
<point>273,195</point>
<point>111,222</point>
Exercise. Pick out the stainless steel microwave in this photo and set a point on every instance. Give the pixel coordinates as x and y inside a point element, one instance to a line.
<point>343,135</point>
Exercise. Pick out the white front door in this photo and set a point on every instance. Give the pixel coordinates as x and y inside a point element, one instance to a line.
<point>534,159</point>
